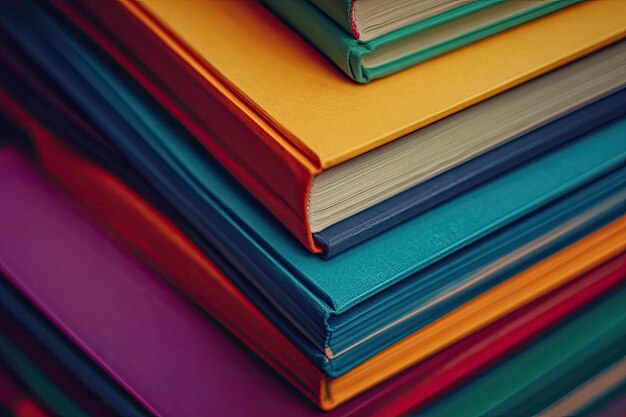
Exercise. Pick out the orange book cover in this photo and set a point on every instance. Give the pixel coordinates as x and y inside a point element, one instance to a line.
<point>276,114</point>
<point>150,234</point>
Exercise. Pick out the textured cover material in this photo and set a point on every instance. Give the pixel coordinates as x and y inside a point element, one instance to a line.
<point>502,300</point>
<point>310,290</point>
<point>98,204</point>
<point>349,53</point>
<point>375,220</point>
<point>247,238</point>
<point>582,171</point>
<point>234,108</point>
<point>340,12</point>
<point>545,372</point>
<point>39,95</point>
<point>473,260</point>
<point>185,352</point>
<point>362,226</point>
<point>64,164</point>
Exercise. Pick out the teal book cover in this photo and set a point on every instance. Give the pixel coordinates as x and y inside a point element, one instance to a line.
<point>389,46</point>
<point>333,306</point>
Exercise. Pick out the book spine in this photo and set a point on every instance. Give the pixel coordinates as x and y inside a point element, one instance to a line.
<point>149,234</point>
<point>331,39</point>
<point>264,162</point>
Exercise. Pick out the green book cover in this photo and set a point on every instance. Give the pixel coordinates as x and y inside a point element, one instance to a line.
<point>326,24</point>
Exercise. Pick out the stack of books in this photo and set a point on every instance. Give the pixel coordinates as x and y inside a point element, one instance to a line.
<point>395,207</point>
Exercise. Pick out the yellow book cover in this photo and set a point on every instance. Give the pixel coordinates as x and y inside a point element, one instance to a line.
<point>277,115</point>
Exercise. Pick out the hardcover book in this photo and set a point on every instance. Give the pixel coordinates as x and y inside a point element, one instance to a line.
<point>308,166</point>
<point>187,348</point>
<point>594,206</point>
<point>387,37</point>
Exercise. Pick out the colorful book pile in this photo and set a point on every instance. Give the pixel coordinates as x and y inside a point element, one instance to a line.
<point>395,207</point>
